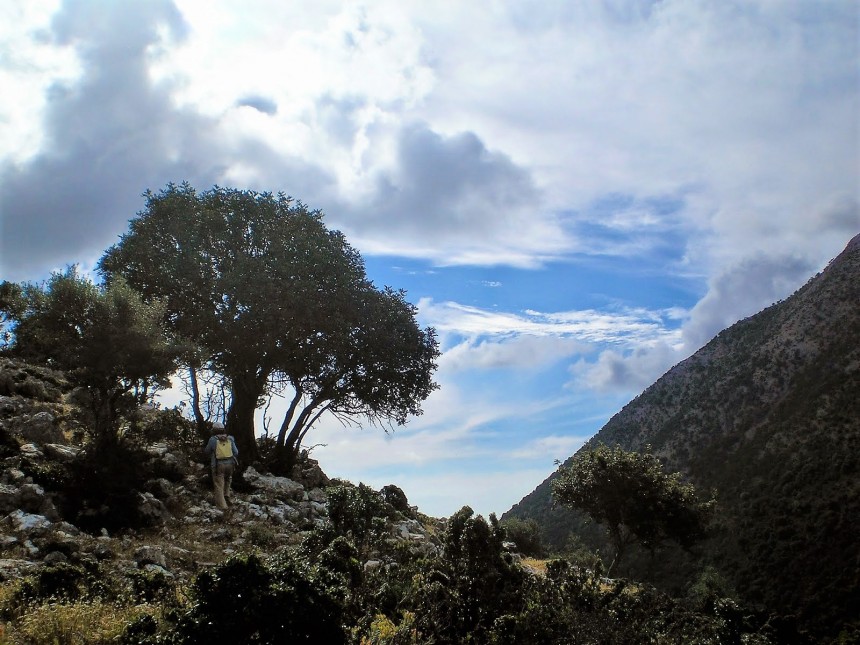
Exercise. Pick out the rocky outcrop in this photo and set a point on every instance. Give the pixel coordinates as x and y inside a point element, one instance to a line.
<point>187,531</point>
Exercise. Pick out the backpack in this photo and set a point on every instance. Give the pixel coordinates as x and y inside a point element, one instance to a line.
<point>223,449</point>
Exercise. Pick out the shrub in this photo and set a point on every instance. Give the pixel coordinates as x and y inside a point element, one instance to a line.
<point>383,631</point>
<point>471,585</point>
<point>246,600</point>
<point>151,586</point>
<point>60,581</point>
<point>352,510</point>
<point>261,535</point>
<point>101,489</point>
<point>525,534</point>
<point>395,496</point>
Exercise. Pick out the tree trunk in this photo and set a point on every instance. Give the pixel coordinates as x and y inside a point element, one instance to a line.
<point>288,453</point>
<point>200,420</point>
<point>245,392</point>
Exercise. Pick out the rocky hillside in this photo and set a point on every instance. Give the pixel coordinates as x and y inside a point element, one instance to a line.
<point>166,528</point>
<point>130,550</point>
<point>768,414</point>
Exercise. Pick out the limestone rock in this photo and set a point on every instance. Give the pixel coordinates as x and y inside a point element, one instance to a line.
<point>59,452</point>
<point>42,428</point>
<point>280,487</point>
<point>148,554</point>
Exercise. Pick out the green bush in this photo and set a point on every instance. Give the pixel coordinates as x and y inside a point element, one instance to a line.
<point>352,510</point>
<point>471,585</point>
<point>395,496</point>
<point>246,600</point>
<point>101,488</point>
<point>526,535</point>
<point>151,586</point>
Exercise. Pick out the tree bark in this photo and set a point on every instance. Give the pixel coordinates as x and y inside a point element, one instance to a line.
<point>200,420</point>
<point>245,392</point>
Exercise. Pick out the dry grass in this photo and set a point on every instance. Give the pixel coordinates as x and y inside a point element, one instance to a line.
<point>79,623</point>
<point>534,565</point>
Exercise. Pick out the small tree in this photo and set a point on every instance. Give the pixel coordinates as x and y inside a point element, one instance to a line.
<point>525,534</point>
<point>110,343</point>
<point>631,495</point>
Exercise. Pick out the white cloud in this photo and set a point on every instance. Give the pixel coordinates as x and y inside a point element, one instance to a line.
<point>552,447</point>
<point>31,67</point>
<point>625,325</point>
<point>629,372</point>
<point>522,352</point>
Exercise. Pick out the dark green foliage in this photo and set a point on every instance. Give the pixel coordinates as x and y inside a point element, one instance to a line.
<point>631,495</point>
<point>141,631</point>
<point>242,275</point>
<point>62,582</point>
<point>151,586</point>
<point>395,496</point>
<point>246,600</point>
<point>353,509</point>
<point>148,426</point>
<point>474,583</point>
<point>106,339</point>
<point>58,581</point>
<point>526,535</point>
<point>101,488</point>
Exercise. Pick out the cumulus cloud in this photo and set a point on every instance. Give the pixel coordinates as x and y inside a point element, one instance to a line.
<point>111,132</point>
<point>625,371</point>
<point>259,103</point>
<point>522,352</point>
<point>742,290</point>
<point>452,199</point>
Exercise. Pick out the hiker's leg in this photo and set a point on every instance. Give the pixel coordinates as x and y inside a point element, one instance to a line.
<point>228,480</point>
<point>218,482</point>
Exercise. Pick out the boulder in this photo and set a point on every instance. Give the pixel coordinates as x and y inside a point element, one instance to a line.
<point>14,476</point>
<point>31,450</point>
<point>54,558</point>
<point>15,569</point>
<point>150,555</point>
<point>9,498</point>
<point>160,487</point>
<point>309,473</point>
<point>26,523</point>
<point>9,405</point>
<point>152,511</point>
<point>60,452</point>
<point>42,428</point>
<point>279,487</point>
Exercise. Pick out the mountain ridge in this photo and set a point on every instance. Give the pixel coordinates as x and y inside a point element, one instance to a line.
<point>767,414</point>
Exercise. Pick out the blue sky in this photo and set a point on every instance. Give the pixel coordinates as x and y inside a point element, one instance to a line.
<point>576,195</point>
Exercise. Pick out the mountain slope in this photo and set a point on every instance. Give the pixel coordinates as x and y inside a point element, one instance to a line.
<point>768,413</point>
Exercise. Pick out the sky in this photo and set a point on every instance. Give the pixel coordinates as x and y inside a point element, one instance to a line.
<point>575,195</point>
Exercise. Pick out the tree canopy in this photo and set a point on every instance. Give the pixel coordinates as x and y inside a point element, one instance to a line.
<point>106,338</point>
<point>631,494</point>
<point>263,293</point>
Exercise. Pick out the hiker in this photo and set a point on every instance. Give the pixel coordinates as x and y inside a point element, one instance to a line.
<point>223,454</point>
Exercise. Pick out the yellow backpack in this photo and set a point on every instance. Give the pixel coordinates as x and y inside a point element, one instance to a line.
<point>223,449</point>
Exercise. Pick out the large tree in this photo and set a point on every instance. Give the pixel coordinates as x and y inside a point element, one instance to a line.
<point>633,497</point>
<point>265,294</point>
<point>109,342</point>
